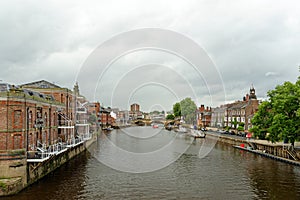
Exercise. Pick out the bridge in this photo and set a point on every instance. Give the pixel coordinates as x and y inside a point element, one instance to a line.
<point>148,122</point>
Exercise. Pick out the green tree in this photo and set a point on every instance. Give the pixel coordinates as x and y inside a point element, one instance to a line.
<point>262,120</point>
<point>188,110</point>
<point>170,117</point>
<point>241,126</point>
<point>92,119</point>
<point>279,116</point>
<point>177,110</point>
<point>235,123</point>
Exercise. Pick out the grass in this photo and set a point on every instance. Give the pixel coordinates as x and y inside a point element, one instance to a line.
<point>3,186</point>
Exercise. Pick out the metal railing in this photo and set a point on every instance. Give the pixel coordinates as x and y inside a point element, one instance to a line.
<point>44,152</point>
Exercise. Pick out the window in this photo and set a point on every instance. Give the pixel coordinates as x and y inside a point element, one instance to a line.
<point>30,118</point>
<point>17,118</point>
<point>45,119</point>
<point>17,141</point>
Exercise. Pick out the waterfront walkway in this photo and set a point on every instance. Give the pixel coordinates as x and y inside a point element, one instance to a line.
<point>44,153</point>
<point>278,151</point>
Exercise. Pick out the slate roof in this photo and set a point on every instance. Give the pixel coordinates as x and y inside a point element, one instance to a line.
<point>40,84</point>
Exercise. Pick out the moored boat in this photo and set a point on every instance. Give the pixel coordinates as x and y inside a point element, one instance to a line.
<point>197,134</point>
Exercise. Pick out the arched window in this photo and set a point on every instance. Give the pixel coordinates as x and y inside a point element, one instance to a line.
<point>45,119</point>
<point>30,118</point>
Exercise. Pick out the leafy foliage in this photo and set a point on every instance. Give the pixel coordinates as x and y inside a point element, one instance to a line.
<point>235,123</point>
<point>280,116</point>
<point>177,110</point>
<point>170,117</point>
<point>240,128</point>
<point>92,119</point>
<point>188,109</point>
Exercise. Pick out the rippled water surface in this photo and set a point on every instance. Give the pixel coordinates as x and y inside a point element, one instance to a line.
<point>224,173</point>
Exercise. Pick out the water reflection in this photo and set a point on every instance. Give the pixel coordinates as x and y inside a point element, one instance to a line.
<point>225,173</point>
<point>274,180</point>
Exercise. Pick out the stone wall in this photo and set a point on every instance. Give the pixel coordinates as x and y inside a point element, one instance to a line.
<point>13,177</point>
<point>16,173</point>
<point>37,171</point>
<point>273,149</point>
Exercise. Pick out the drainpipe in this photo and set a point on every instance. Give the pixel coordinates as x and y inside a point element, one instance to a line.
<point>26,123</point>
<point>7,102</point>
<point>27,128</point>
<point>50,128</point>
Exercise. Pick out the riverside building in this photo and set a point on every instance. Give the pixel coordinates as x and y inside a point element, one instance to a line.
<point>42,125</point>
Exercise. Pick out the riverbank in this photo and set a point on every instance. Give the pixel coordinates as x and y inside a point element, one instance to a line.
<point>22,172</point>
<point>293,162</point>
<point>278,151</point>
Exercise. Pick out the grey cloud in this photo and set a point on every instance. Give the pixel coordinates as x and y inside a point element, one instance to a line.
<point>251,42</point>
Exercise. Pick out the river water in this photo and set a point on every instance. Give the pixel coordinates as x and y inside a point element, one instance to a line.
<point>219,171</point>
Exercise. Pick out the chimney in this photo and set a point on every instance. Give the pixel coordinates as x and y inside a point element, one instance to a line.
<point>247,97</point>
<point>202,108</point>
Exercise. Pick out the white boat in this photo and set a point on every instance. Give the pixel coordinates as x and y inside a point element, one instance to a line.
<point>182,130</point>
<point>197,134</point>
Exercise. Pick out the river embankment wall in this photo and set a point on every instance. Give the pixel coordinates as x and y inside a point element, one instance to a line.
<point>16,173</point>
<point>281,152</point>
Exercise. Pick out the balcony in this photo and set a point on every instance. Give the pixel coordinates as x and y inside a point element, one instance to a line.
<point>39,123</point>
<point>81,110</point>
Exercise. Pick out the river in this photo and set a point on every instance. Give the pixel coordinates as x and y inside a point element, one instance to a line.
<point>218,172</point>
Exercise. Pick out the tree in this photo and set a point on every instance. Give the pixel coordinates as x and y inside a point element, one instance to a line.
<point>170,117</point>
<point>177,110</point>
<point>235,123</point>
<point>241,126</point>
<point>262,120</point>
<point>92,119</point>
<point>188,110</point>
<point>280,115</point>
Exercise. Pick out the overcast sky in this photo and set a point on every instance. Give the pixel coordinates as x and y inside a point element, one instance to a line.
<point>248,41</point>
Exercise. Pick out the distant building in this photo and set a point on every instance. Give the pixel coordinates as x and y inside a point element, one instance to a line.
<point>241,111</point>
<point>204,116</point>
<point>106,119</point>
<point>38,114</point>
<point>135,107</point>
<point>217,117</point>
<point>135,112</point>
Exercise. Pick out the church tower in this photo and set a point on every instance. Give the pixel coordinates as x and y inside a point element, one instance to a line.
<point>76,89</point>
<point>252,93</point>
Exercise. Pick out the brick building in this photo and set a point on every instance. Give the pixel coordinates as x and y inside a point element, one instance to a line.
<point>37,115</point>
<point>64,96</point>
<point>135,112</point>
<point>135,107</point>
<point>28,118</point>
<point>106,120</point>
<point>204,116</point>
<point>241,111</point>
